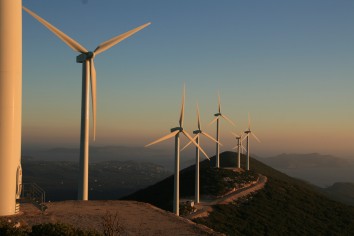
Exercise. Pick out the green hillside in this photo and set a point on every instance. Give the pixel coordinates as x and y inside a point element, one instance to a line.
<point>286,206</point>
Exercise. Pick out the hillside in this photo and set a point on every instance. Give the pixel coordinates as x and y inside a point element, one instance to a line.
<point>286,206</point>
<point>212,184</point>
<point>342,192</point>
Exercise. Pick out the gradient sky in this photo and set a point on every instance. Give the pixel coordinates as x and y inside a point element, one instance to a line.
<point>289,63</point>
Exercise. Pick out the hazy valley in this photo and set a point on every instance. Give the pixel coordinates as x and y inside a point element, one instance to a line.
<point>119,170</point>
<point>108,179</point>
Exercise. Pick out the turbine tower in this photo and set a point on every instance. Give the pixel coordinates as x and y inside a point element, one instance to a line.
<point>10,105</point>
<point>175,132</point>
<point>197,156</point>
<point>88,72</point>
<point>217,119</point>
<point>239,147</point>
<point>248,132</point>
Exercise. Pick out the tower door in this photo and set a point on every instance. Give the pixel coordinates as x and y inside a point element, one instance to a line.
<point>18,181</point>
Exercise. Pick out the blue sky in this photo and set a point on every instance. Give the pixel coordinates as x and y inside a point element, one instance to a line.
<point>288,63</point>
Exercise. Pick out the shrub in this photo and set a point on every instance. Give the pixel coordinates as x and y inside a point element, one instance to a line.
<point>8,228</point>
<point>59,229</point>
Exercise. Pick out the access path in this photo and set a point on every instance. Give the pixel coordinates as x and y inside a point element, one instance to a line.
<point>204,208</point>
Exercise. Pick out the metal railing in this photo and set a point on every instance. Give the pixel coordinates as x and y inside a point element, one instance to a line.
<point>31,192</point>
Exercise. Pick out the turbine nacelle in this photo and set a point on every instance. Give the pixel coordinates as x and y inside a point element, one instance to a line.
<point>180,129</point>
<point>198,131</point>
<point>217,114</point>
<point>84,57</point>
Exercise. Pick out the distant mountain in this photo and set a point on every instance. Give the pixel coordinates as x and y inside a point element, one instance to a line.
<point>311,160</point>
<point>286,206</point>
<point>107,180</point>
<point>342,192</point>
<point>321,170</point>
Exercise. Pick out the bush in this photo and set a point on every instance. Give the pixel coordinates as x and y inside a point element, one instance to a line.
<point>8,228</point>
<point>59,229</point>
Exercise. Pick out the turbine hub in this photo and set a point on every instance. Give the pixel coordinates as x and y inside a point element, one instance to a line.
<point>217,114</point>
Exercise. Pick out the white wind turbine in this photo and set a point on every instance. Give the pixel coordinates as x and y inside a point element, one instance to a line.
<point>197,156</point>
<point>10,105</point>
<point>248,132</point>
<point>88,71</point>
<point>175,133</point>
<point>217,118</point>
<point>239,147</point>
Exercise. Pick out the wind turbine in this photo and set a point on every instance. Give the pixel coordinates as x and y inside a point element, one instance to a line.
<point>217,119</point>
<point>175,132</point>
<point>197,156</point>
<point>248,132</point>
<point>10,105</point>
<point>239,147</point>
<point>88,71</point>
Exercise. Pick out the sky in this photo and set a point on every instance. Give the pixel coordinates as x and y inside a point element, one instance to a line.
<point>290,64</point>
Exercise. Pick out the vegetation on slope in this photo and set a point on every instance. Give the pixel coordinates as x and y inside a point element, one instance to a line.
<point>49,229</point>
<point>286,206</point>
<point>341,192</point>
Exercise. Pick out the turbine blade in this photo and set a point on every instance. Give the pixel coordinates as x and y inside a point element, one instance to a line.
<point>243,148</point>
<point>244,137</point>
<point>197,145</point>
<point>256,137</point>
<point>215,119</point>
<point>249,121</point>
<point>237,136</point>
<point>235,147</point>
<point>228,119</point>
<point>219,103</point>
<point>66,39</point>
<point>195,137</point>
<point>93,95</point>
<point>210,137</point>
<point>198,116</point>
<point>182,107</point>
<point>113,41</point>
<point>163,138</point>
